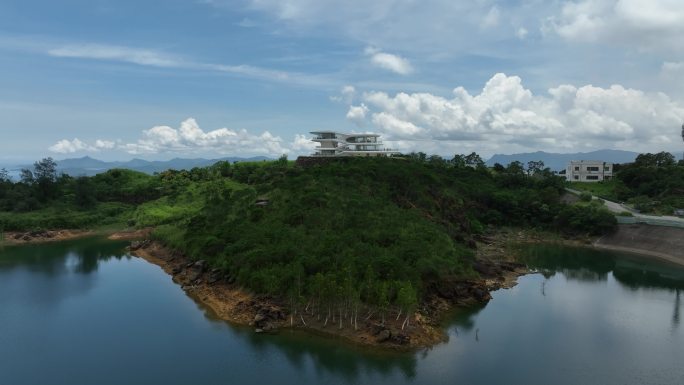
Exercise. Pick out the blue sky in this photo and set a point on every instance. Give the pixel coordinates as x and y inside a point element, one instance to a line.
<point>160,79</point>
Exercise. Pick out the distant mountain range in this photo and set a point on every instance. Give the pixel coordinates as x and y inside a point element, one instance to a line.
<point>558,162</point>
<point>90,166</point>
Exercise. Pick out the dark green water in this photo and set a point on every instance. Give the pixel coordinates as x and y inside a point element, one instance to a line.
<point>84,312</point>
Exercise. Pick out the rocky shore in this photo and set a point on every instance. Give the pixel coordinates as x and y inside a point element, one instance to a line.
<point>38,236</point>
<point>266,314</point>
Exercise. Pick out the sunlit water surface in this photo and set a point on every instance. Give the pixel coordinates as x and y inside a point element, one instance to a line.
<point>84,312</point>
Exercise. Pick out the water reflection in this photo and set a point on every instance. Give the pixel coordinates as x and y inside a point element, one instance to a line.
<point>563,328</point>
<point>675,313</point>
<point>589,265</point>
<point>45,273</point>
<point>54,258</point>
<point>327,354</point>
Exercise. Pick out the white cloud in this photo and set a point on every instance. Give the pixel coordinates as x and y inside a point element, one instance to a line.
<point>505,113</point>
<point>388,61</point>
<point>117,53</point>
<point>302,144</point>
<point>673,73</point>
<point>65,146</point>
<point>104,144</point>
<point>190,138</point>
<point>409,26</point>
<point>491,19</point>
<point>521,33</point>
<point>153,58</point>
<point>652,24</point>
<point>357,114</point>
<point>346,96</point>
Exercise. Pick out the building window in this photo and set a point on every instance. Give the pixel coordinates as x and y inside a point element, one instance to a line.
<point>592,177</point>
<point>606,168</point>
<point>577,168</point>
<point>576,177</point>
<point>591,168</point>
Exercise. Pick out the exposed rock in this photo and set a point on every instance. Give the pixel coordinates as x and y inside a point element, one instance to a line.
<point>200,265</point>
<point>377,328</point>
<point>384,336</point>
<point>259,318</point>
<point>135,245</point>
<point>194,275</point>
<point>258,330</point>
<point>401,339</point>
<point>481,295</point>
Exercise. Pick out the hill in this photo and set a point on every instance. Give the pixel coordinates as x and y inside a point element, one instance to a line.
<point>88,166</point>
<point>352,237</point>
<point>557,162</point>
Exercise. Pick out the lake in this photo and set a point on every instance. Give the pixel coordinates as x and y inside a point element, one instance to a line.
<point>85,312</point>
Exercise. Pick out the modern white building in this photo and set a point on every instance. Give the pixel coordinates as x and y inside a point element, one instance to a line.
<point>588,171</point>
<point>338,144</point>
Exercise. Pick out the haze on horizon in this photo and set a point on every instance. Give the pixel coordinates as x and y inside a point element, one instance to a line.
<point>211,78</point>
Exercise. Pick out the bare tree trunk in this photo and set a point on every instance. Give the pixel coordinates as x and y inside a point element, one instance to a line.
<point>300,316</point>
<point>398,315</point>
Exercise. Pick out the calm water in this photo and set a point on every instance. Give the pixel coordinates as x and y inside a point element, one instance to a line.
<point>84,312</point>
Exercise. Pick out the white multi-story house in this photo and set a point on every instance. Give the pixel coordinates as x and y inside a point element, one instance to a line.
<point>588,171</point>
<point>339,144</point>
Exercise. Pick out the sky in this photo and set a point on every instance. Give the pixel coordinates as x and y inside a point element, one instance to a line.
<point>208,78</point>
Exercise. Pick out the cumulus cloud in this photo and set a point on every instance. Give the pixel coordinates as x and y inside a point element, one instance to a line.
<point>505,112</point>
<point>650,24</point>
<point>388,61</point>
<point>65,146</point>
<point>346,96</point>
<point>302,144</point>
<point>190,139</point>
<point>357,114</point>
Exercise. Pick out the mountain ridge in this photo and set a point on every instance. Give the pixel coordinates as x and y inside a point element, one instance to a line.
<point>89,166</point>
<point>558,161</point>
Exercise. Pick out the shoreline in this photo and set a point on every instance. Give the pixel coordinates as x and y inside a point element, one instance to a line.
<point>496,263</point>
<point>662,257</point>
<point>15,238</point>
<point>268,315</point>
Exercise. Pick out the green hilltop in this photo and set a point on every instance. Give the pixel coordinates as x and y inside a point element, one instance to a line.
<point>375,231</point>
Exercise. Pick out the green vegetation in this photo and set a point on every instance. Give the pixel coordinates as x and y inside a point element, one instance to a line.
<point>654,183</point>
<point>333,237</point>
<point>604,189</point>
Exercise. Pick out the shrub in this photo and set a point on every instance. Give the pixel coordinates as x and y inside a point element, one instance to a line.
<point>585,197</point>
